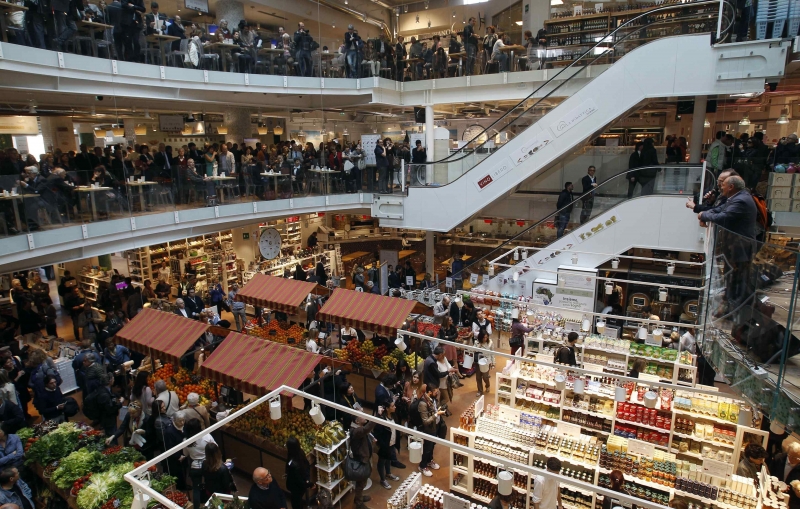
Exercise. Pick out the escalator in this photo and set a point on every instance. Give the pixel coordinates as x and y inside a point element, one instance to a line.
<point>468,180</point>
<point>611,223</point>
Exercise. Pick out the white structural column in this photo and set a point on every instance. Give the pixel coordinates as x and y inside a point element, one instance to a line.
<point>698,127</point>
<point>237,120</point>
<point>429,143</point>
<point>57,132</point>
<point>231,11</point>
<point>429,247</point>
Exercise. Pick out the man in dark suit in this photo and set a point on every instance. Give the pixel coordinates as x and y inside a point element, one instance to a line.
<point>162,160</point>
<point>194,304</point>
<point>634,162</point>
<point>786,466</point>
<point>66,12</point>
<point>176,29</point>
<point>589,183</point>
<point>564,202</point>
<point>131,22</point>
<point>180,308</point>
<point>155,22</point>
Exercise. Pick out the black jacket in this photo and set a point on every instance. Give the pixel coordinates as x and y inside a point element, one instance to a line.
<point>566,355</point>
<point>776,468</point>
<point>151,18</point>
<point>109,404</point>
<point>635,160</point>
<point>11,417</point>
<point>176,30</point>
<point>565,200</point>
<point>194,304</point>
<point>130,12</point>
<point>737,214</point>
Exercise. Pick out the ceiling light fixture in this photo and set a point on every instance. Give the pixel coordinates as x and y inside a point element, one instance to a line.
<point>783,119</point>
<point>140,130</point>
<point>222,129</point>
<point>454,14</point>
<point>345,133</point>
<point>417,18</point>
<point>429,23</point>
<point>199,128</point>
<point>147,114</point>
<point>32,108</point>
<point>745,120</point>
<point>118,131</point>
<point>519,23</point>
<point>94,111</point>
<point>278,130</point>
<point>427,4</point>
<point>262,130</point>
<point>706,123</point>
<point>405,8</point>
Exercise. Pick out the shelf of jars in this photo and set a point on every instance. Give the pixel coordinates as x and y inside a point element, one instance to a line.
<point>670,443</point>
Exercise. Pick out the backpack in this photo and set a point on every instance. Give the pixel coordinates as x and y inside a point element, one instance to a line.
<point>763,215</point>
<point>91,406</point>
<point>414,417</point>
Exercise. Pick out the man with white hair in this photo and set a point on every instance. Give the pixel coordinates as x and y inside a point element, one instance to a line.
<point>180,308</point>
<point>173,435</point>
<point>786,466</point>
<point>170,398</point>
<point>193,409</point>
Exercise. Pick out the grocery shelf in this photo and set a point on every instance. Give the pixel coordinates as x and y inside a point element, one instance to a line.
<point>589,412</point>
<point>641,481</point>
<point>707,417</point>
<point>330,486</point>
<point>329,468</point>
<point>344,491</point>
<point>460,489</point>
<point>639,424</point>
<point>332,449</point>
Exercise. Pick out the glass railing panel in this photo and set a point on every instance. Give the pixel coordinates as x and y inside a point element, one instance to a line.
<point>697,17</point>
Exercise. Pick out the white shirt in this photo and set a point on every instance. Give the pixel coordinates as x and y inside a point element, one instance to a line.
<point>171,402</point>
<point>443,366</point>
<point>496,48</point>
<point>197,451</point>
<point>688,343</point>
<point>549,492</point>
<point>349,332</point>
<point>164,272</point>
<point>183,312</point>
<point>536,494</point>
<point>311,346</point>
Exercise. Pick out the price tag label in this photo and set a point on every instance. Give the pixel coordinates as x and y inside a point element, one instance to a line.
<point>485,280</point>
<point>473,279</point>
<point>577,10</point>
<point>652,341</point>
<point>452,502</point>
<point>640,448</point>
<point>410,281</point>
<point>649,378</point>
<point>359,289</point>
<point>717,468</point>
<point>593,367</point>
<point>598,8</point>
<point>448,282</point>
<point>541,357</point>
<point>565,428</point>
<point>511,415</point>
<point>522,285</point>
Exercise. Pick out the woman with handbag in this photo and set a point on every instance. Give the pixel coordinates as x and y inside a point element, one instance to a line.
<point>298,473</point>
<point>348,398</point>
<point>483,341</point>
<point>517,341</point>
<point>216,475</point>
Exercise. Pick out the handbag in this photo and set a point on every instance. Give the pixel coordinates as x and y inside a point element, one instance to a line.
<point>355,470</point>
<point>348,166</point>
<point>362,163</point>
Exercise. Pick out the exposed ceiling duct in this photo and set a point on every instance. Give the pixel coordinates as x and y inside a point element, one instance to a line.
<point>361,15</point>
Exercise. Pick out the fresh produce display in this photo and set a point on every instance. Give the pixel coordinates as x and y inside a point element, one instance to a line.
<point>215,503</point>
<point>330,434</point>
<point>281,332</point>
<point>78,485</point>
<point>296,423</point>
<point>389,363</point>
<point>120,456</point>
<point>75,466</point>
<point>184,382</point>
<point>54,445</point>
<point>428,329</point>
<point>25,434</point>
<point>103,486</point>
<point>160,481</point>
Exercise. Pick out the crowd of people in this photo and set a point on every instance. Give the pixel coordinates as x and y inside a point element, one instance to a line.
<point>189,175</point>
<point>59,26</point>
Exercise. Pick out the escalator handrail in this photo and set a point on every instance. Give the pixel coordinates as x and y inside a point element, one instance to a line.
<point>708,175</point>
<point>463,154</point>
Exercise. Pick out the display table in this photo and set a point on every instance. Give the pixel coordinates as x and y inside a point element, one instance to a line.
<point>72,502</point>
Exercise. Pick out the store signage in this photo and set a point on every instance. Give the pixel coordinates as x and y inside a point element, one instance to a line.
<point>573,118</point>
<point>640,448</point>
<point>448,282</point>
<point>543,357</point>
<point>597,368</point>
<point>511,415</point>
<point>716,468</point>
<point>650,340</point>
<point>498,171</point>
<point>473,279</point>
<point>453,502</point>
<point>486,279</point>
<point>170,123</point>
<point>19,125</point>
<point>565,428</point>
<point>640,122</point>
<point>410,281</point>
<point>577,10</point>
<point>601,226</point>
<point>531,147</point>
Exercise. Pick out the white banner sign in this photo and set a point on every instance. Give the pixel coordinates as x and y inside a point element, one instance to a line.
<point>473,279</point>
<point>19,125</point>
<point>564,428</point>
<point>717,468</point>
<point>573,118</point>
<point>170,123</point>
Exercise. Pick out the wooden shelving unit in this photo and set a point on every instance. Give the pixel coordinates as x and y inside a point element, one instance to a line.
<point>573,35</point>
<point>91,285</point>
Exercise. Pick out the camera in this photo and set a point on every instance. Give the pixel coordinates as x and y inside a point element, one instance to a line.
<point>98,98</point>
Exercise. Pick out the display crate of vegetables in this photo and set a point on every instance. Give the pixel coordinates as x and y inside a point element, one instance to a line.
<point>54,445</point>
<point>257,426</point>
<point>102,487</point>
<point>75,466</point>
<point>183,382</point>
